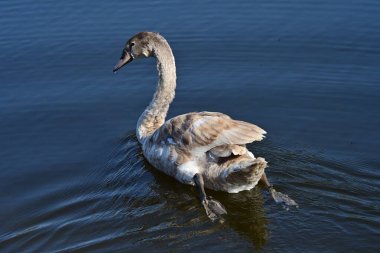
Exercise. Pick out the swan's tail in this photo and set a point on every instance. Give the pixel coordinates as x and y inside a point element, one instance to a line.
<point>245,178</point>
<point>239,174</point>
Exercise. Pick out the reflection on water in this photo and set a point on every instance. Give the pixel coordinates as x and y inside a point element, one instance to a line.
<point>158,193</point>
<point>247,216</point>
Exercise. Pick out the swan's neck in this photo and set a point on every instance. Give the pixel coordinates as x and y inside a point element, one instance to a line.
<point>154,115</point>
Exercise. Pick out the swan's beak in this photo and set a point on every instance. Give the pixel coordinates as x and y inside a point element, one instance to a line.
<point>124,60</point>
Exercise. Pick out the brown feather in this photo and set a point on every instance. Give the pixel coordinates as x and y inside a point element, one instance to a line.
<point>203,131</point>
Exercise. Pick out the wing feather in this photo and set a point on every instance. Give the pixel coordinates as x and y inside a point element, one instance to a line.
<point>202,131</point>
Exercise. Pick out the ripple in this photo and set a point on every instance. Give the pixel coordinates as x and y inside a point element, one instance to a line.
<point>305,71</point>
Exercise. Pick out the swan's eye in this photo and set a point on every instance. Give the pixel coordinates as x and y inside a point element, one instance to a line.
<point>131,44</point>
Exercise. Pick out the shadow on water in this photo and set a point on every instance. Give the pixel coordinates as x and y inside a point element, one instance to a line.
<point>142,187</point>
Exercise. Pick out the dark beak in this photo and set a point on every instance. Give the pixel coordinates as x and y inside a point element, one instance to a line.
<point>124,60</point>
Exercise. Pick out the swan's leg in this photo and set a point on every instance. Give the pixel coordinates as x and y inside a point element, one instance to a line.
<point>213,208</point>
<point>277,196</point>
<point>265,181</point>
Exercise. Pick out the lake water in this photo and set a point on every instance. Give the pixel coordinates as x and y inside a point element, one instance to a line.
<point>73,178</point>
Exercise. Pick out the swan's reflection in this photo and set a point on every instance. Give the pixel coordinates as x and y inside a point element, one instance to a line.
<point>159,201</point>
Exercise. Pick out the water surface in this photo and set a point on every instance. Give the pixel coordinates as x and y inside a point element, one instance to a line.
<point>73,178</point>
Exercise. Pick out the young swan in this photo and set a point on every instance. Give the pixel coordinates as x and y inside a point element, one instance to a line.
<point>205,149</point>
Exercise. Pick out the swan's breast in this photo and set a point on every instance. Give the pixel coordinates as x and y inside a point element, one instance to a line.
<point>161,156</point>
<point>167,156</point>
<point>186,172</point>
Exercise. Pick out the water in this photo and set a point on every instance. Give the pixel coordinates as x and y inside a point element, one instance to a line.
<point>73,178</point>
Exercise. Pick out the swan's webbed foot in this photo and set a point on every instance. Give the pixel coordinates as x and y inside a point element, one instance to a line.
<point>214,209</point>
<point>282,198</point>
<point>278,197</point>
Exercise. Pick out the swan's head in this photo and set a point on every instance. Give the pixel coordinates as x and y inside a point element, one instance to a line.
<point>142,44</point>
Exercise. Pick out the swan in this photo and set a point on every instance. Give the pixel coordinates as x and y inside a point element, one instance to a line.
<point>203,149</point>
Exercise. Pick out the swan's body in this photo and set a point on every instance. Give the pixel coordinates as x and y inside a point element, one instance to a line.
<point>208,143</point>
<point>201,148</point>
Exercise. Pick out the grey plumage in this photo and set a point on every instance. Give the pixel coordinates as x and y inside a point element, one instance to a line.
<point>208,143</point>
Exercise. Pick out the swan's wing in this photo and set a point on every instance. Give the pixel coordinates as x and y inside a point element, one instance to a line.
<point>202,131</point>
<point>228,150</point>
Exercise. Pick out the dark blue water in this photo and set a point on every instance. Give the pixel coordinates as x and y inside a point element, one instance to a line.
<point>73,178</point>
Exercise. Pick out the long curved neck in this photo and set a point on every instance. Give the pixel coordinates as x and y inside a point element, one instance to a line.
<point>154,115</point>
